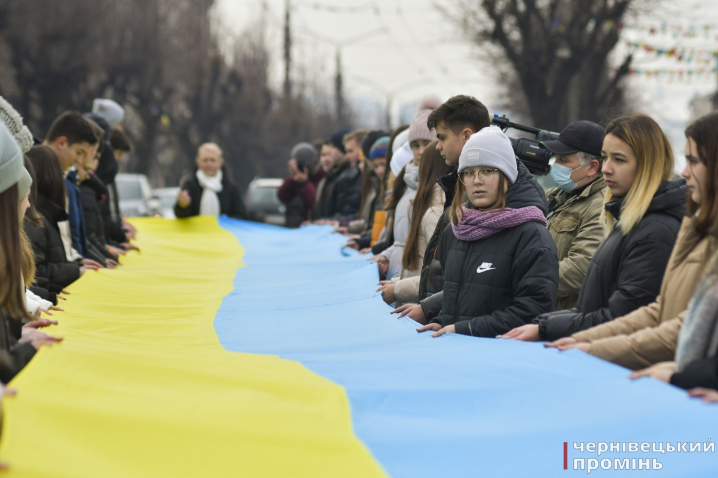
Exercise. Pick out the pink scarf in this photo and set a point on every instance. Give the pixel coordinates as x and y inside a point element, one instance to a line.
<point>477,224</point>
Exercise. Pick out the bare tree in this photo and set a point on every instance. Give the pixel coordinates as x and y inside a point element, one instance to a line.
<point>161,60</point>
<point>558,51</point>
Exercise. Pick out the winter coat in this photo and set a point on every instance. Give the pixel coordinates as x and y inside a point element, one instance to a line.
<point>701,373</point>
<point>626,271</point>
<point>402,222</point>
<point>13,355</point>
<point>365,225</point>
<point>502,281</point>
<point>91,192</point>
<point>525,191</point>
<point>406,287</point>
<point>299,198</point>
<point>575,224</point>
<point>431,281</point>
<point>342,191</point>
<point>50,259</point>
<point>650,334</point>
<point>230,199</point>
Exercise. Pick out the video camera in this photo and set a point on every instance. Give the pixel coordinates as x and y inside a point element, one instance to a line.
<point>534,156</point>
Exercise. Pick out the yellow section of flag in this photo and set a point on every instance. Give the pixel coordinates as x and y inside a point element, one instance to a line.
<point>141,386</point>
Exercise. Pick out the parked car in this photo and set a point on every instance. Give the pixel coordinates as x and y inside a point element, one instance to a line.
<point>135,196</point>
<point>262,201</point>
<point>168,198</point>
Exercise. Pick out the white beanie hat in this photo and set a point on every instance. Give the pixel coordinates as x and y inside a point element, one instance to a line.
<point>401,158</point>
<point>399,141</point>
<point>109,110</point>
<point>11,159</point>
<point>490,147</point>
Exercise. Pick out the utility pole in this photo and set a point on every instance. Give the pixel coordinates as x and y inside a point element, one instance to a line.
<point>338,89</point>
<point>287,50</point>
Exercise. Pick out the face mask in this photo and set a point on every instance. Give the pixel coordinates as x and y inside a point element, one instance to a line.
<point>561,175</point>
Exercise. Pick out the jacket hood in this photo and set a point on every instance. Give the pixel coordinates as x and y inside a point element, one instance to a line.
<point>670,199</point>
<point>94,183</point>
<point>526,191</point>
<point>51,211</point>
<point>448,184</point>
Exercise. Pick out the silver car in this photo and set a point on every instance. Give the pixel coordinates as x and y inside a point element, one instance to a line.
<point>135,196</point>
<point>262,201</point>
<point>168,198</point>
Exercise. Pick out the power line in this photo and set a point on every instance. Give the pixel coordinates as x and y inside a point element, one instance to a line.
<point>417,41</point>
<point>338,9</point>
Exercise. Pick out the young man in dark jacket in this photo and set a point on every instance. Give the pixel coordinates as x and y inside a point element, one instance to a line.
<point>341,195</point>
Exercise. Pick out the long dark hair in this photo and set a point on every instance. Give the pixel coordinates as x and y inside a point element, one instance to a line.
<point>431,168</point>
<point>32,216</point>
<point>704,131</point>
<point>12,290</point>
<point>48,175</point>
<point>367,184</point>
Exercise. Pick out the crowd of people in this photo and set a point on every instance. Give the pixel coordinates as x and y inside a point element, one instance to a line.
<point>60,219</point>
<point>618,260</point>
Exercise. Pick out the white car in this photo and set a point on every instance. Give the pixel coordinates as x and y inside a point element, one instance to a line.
<point>135,196</point>
<point>168,198</point>
<point>262,201</point>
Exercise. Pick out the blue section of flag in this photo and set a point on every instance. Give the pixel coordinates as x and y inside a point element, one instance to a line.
<point>452,406</point>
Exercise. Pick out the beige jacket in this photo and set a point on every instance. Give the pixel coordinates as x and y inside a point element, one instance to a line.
<point>577,230</point>
<point>406,286</point>
<point>650,334</point>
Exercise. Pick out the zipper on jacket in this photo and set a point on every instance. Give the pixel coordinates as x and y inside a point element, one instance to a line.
<point>461,281</point>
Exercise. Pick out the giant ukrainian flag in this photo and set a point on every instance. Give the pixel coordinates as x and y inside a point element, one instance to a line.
<point>238,349</point>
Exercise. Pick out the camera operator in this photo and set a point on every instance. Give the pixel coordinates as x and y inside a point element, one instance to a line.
<point>575,204</point>
<point>299,189</point>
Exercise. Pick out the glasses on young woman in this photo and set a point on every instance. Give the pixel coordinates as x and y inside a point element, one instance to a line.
<point>485,174</point>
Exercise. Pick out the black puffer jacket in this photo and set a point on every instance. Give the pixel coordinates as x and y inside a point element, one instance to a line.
<point>50,259</point>
<point>627,270</point>
<point>92,191</point>
<point>344,197</point>
<point>701,373</point>
<point>13,355</point>
<point>526,191</point>
<point>230,199</point>
<point>432,280</point>
<point>502,281</point>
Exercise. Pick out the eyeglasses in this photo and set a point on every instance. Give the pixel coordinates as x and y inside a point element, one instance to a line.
<point>486,175</point>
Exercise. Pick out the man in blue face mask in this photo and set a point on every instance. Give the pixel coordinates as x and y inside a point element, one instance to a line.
<point>575,205</point>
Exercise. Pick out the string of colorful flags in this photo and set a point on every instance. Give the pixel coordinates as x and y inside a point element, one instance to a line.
<point>680,54</point>
<point>664,28</point>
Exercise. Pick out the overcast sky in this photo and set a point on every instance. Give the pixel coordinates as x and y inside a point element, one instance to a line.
<point>421,54</point>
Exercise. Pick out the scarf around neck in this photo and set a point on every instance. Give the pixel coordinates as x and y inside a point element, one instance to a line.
<point>476,224</point>
<point>411,175</point>
<point>211,185</point>
<point>698,337</point>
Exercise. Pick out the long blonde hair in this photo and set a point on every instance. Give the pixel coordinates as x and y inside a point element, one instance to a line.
<point>655,165</point>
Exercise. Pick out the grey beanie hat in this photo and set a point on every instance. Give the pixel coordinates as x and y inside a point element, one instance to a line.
<point>11,160</point>
<point>109,110</point>
<point>490,147</point>
<point>13,121</point>
<point>304,153</point>
<point>24,185</point>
